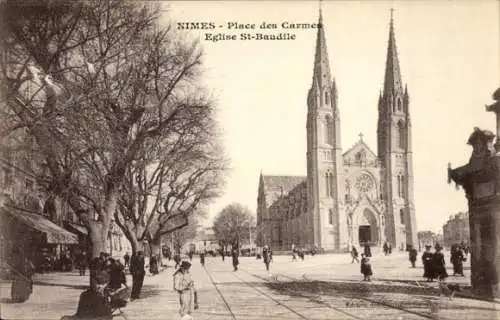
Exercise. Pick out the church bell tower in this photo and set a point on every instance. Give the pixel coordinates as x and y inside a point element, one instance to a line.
<point>324,153</point>
<point>395,152</point>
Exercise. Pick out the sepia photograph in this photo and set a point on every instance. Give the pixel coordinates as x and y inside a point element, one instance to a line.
<point>237,159</point>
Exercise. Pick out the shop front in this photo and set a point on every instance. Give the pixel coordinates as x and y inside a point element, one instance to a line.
<point>33,236</point>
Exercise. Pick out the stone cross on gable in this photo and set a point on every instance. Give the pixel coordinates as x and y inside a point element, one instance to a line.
<point>360,136</point>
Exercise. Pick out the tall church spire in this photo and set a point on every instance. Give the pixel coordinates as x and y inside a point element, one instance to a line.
<point>392,81</point>
<point>321,73</point>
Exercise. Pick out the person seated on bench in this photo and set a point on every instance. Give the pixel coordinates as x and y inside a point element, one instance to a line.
<point>94,302</point>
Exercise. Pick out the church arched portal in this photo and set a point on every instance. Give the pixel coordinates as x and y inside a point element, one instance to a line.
<point>366,230</point>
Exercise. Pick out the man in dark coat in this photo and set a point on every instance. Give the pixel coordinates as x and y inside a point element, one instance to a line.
<point>386,248</point>
<point>137,270</point>
<point>457,260</point>
<point>126,260</point>
<point>267,256</point>
<point>412,255</point>
<point>368,250</point>
<point>427,258</point>
<point>234,255</point>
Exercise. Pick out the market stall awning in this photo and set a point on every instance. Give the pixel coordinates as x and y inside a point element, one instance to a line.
<point>78,228</point>
<point>54,233</point>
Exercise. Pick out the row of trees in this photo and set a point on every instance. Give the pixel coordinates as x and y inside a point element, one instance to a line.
<point>120,127</point>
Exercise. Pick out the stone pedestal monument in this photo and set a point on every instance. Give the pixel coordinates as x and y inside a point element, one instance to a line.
<point>480,178</point>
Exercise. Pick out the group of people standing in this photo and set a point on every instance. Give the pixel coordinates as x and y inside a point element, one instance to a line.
<point>435,265</point>
<point>366,266</point>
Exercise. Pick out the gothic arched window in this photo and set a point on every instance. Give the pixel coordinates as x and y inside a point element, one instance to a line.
<point>398,104</point>
<point>401,135</point>
<point>327,184</point>
<point>330,216</point>
<point>327,98</point>
<point>328,129</point>
<point>331,184</point>
<point>400,186</point>
<point>402,216</point>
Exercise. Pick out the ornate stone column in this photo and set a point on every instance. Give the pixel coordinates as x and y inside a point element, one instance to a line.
<point>480,179</point>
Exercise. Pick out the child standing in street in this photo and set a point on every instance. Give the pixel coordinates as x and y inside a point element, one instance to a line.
<point>184,285</point>
<point>366,267</point>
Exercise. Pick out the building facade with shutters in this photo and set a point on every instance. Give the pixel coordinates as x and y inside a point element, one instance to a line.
<point>352,197</point>
<point>457,229</point>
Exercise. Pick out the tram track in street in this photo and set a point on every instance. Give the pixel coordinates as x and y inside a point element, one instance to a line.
<point>345,313</point>
<point>328,305</point>
<point>220,293</point>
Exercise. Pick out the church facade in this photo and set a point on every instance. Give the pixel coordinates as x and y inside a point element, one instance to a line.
<point>352,197</point>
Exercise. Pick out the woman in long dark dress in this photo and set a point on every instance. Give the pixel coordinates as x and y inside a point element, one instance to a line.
<point>439,264</point>
<point>22,278</point>
<point>366,267</point>
<point>457,260</point>
<point>427,258</point>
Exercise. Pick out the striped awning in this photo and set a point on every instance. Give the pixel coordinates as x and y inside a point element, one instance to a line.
<point>79,228</point>
<point>53,232</point>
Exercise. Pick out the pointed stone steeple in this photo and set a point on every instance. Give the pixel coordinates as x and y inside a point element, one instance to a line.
<point>322,74</point>
<point>392,81</point>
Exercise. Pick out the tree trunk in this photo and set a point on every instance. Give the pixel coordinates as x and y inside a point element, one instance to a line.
<point>155,246</point>
<point>136,245</point>
<point>98,237</point>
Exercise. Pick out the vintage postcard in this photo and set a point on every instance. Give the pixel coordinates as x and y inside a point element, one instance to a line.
<point>249,159</point>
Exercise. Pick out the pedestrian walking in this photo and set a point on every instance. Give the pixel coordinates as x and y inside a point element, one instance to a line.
<point>386,248</point>
<point>202,258</point>
<point>427,258</point>
<point>185,287</point>
<point>354,255</point>
<point>267,256</point>
<point>137,270</point>
<point>366,267</point>
<point>439,264</point>
<point>126,260</point>
<point>82,262</point>
<point>153,265</point>
<point>412,256</point>
<point>367,250</point>
<point>234,256</point>
<point>457,260</point>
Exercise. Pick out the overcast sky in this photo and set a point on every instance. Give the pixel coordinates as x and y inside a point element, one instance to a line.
<point>449,57</point>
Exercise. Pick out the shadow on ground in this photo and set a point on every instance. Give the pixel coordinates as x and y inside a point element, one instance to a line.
<point>149,291</point>
<point>369,294</point>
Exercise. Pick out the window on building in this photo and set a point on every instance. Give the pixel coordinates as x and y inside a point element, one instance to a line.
<point>402,186</point>
<point>401,135</point>
<point>327,184</point>
<point>330,216</point>
<point>331,184</point>
<point>402,216</point>
<point>398,104</point>
<point>327,98</point>
<point>398,185</point>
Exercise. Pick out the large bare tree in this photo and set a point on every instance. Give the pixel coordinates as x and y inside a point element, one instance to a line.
<point>106,86</point>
